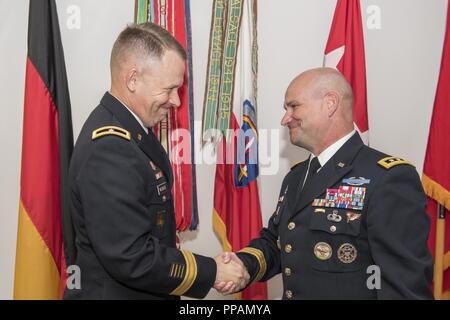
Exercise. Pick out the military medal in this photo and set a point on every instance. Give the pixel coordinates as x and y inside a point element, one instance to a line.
<point>345,197</point>
<point>347,253</point>
<point>323,251</point>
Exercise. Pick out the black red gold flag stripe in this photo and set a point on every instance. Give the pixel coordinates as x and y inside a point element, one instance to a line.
<point>47,144</point>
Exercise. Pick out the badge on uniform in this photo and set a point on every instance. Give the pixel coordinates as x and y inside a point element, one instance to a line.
<point>356,181</point>
<point>335,217</point>
<point>323,251</point>
<point>280,201</point>
<point>157,172</point>
<point>158,175</point>
<point>162,188</point>
<point>160,219</point>
<point>347,253</point>
<point>351,216</point>
<point>345,197</point>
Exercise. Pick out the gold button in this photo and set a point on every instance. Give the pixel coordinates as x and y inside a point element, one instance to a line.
<point>287,271</point>
<point>164,198</point>
<point>291,225</point>
<point>139,136</point>
<point>333,228</point>
<point>289,294</point>
<point>288,248</point>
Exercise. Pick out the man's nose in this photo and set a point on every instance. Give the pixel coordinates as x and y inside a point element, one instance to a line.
<point>175,99</point>
<point>286,119</point>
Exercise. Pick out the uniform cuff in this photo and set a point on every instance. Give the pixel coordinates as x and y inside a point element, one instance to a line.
<point>199,277</point>
<point>254,261</point>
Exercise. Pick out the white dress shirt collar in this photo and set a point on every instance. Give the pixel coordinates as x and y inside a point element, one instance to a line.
<point>329,152</point>
<point>134,115</point>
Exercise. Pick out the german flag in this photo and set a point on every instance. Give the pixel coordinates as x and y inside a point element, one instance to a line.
<point>47,145</point>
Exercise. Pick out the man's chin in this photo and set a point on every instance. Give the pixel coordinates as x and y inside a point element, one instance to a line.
<point>294,139</point>
<point>297,142</point>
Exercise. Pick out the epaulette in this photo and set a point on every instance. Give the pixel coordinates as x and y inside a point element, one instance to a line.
<point>296,164</point>
<point>390,162</point>
<point>111,130</point>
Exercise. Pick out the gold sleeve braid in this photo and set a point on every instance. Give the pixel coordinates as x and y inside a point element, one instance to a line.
<point>189,276</point>
<point>259,255</point>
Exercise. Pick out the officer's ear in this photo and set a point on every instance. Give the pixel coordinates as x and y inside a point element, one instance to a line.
<point>131,79</point>
<point>332,100</point>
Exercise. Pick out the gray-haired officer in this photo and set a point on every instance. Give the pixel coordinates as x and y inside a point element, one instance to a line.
<point>346,208</point>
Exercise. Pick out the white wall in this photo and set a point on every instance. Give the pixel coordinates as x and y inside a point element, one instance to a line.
<point>403,59</point>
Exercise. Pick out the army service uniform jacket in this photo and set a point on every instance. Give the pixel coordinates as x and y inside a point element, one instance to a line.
<point>123,213</point>
<point>357,230</point>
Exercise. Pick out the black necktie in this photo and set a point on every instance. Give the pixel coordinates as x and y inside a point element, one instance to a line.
<point>314,165</point>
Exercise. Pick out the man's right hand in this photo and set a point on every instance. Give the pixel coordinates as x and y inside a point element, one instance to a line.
<point>232,276</point>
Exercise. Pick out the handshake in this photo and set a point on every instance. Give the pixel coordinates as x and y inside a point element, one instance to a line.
<point>232,276</point>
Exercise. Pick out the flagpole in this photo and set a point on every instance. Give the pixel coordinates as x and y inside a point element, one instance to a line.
<point>439,253</point>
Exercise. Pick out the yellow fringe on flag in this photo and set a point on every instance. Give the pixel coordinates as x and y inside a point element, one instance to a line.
<point>435,191</point>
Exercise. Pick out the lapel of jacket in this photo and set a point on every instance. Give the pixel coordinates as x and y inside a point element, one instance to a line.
<point>295,183</point>
<point>146,142</point>
<point>336,168</point>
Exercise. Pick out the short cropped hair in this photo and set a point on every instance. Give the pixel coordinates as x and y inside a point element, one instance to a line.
<point>145,39</point>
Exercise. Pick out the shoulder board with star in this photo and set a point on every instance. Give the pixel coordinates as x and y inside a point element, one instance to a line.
<point>111,130</point>
<point>390,162</point>
<point>297,164</point>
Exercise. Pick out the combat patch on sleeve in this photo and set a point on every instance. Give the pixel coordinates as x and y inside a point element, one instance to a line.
<point>111,130</point>
<point>390,162</point>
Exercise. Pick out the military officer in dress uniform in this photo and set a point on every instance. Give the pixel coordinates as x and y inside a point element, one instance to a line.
<point>121,182</point>
<point>350,222</point>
